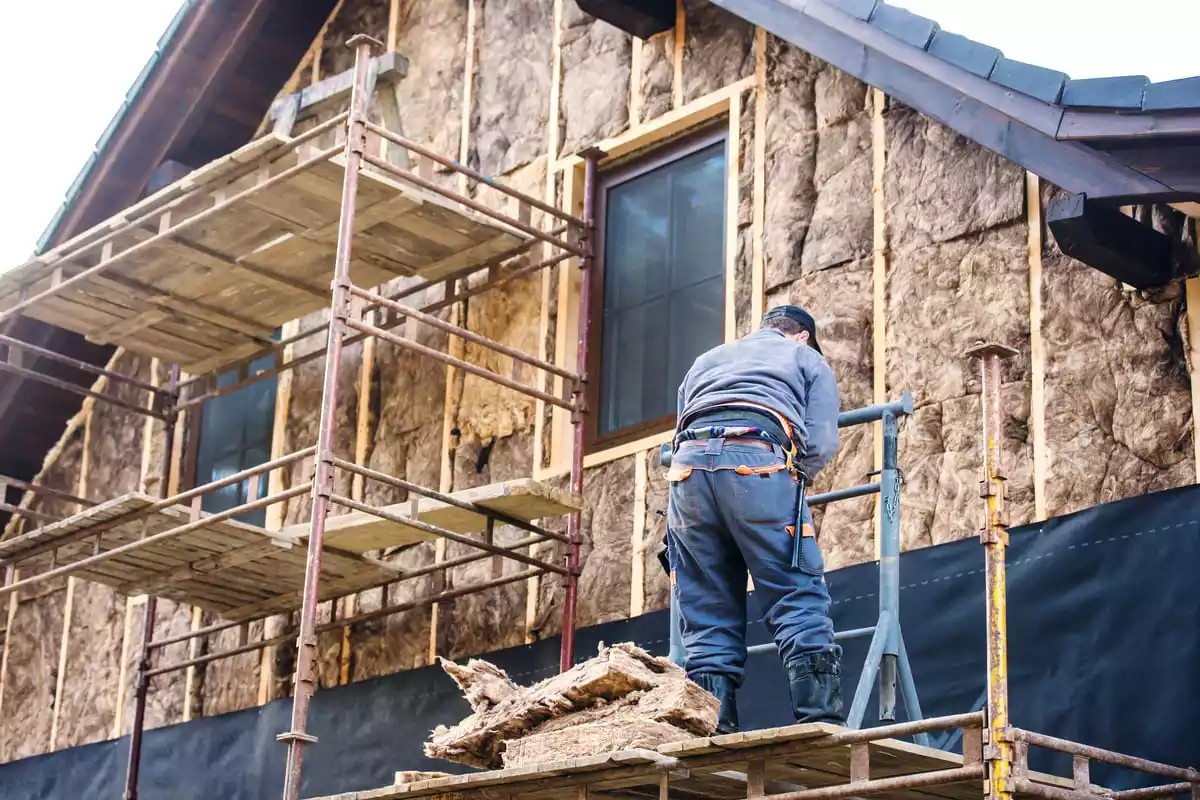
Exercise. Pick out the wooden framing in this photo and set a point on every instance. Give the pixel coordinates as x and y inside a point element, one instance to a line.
<point>677,61</point>
<point>759,186</point>
<point>1193,327</point>
<point>722,102</point>
<point>733,172</point>
<point>393,31</point>
<point>636,56</point>
<point>637,583</point>
<point>1037,346</point>
<point>879,266</point>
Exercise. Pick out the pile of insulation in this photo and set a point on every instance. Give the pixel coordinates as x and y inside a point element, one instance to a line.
<point>623,698</point>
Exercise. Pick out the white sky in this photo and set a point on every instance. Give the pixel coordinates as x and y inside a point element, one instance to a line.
<point>63,90</point>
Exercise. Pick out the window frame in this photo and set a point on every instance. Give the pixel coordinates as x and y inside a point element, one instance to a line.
<point>634,167</point>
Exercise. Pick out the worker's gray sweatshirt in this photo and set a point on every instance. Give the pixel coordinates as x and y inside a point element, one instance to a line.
<point>770,369</point>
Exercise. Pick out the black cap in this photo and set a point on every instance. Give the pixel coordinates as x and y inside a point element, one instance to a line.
<point>800,317</point>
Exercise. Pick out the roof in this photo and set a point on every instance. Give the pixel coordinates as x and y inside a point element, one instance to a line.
<point>1121,139</point>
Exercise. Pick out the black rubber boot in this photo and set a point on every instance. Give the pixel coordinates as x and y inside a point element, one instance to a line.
<point>816,686</point>
<point>721,686</point>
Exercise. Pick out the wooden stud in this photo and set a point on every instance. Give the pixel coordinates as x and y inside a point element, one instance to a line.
<point>8,626</point>
<point>464,141</point>
<point>759,186</point>
<point>1037,346</point>
<point>190,675</point>
<point>732,175</point>
<point>879,281</point>
<point>637,587</point>
<point>1193,325</point>
<point>756,777</point>
<point>680,31</point>
<point>635,82</point>
<point>393,25</point>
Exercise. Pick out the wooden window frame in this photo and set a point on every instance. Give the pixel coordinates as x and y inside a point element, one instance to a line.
<point>635,167</point>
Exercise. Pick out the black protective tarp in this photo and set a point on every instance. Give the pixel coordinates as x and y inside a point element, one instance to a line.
<point>1104,648</point>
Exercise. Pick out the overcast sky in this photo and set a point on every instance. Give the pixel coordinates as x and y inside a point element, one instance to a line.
<point>63,89</point>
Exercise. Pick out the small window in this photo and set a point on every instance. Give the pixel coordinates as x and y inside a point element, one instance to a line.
<point>234,435</point>
<point>660,284</point>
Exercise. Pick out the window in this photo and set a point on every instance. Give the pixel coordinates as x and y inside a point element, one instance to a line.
<point>235,434</point>
<point>660,298</point>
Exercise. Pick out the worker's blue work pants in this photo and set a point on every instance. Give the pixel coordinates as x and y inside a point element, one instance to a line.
<point>719,525</point>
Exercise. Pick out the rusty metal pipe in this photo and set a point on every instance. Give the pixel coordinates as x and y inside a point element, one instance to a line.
<point>974,719</point>
<point>1106,756</point>
<point>338,624</point>
<point>100,558</point>
<point>474,205</point>
<point>566,657</point>
<point>28,513</point>
<point>171,232</point>
<point>462,333</point>
<point>445,534</point>
<point>414,147</point>
<point>37,489</point>
<point>77,389</point>
<point>358,337</point>
<point>1026,786</point>
<point>82,366</point>
<point>458,363</point>
<point>80,244</point>
<point>306,644</point>
<point>177,499</point>
<point>449,500</point>
<point>921,779</point>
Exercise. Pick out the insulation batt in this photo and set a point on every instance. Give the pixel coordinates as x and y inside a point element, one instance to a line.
<point>621,698</point>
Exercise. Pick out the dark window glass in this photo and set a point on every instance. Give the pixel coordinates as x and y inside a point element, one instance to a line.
<point>235,434</point>
<point>663,293</point>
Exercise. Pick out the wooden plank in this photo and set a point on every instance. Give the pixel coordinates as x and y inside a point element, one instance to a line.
<point>635,82</point>
<point>1037,346</point>
<point>523,498</point>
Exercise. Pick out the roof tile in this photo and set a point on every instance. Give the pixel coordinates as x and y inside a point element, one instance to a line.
<point>904,25</point>
<point>1172,95</point>
<point>856,8</point>
<point>1119,92</point>
<point>963,52</point>
<point>1044,84</point>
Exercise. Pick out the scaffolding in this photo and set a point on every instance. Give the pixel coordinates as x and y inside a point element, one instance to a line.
<point>201,273</point>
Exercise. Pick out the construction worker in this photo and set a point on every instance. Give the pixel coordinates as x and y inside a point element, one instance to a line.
<point>757,421</point>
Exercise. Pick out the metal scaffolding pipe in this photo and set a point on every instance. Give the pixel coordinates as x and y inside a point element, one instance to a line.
<point>77,389</point>
<point>899,783</point>
<point>82,366</point>
<point>445,534</point>
<point>462,333</point>
<point>450,500</point>
<point>414,147</point>
<point>1105,756</point>
<point>474,205</point>
<point>457,363</point>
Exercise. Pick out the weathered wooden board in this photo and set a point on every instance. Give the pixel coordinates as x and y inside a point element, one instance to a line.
<point>237,570</point>
<point>253,256</point>
<point>796,757</point>
<point>524,499</point>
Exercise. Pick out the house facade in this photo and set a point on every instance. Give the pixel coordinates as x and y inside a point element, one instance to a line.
<point>739,171</point>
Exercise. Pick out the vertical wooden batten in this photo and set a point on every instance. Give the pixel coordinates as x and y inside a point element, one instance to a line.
<point>878,281</point>
<point>1193,326</point>
<point>733,171</point>
<point>637,582</point>
<point>393,32</point>
<point>759,187</point>
<point>1037,346</point>
<point>454,345</point>
<point>677,61</point>
<point>635,82</point>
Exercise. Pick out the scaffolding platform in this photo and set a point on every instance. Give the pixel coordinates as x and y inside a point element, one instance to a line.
<point>826,760</point>
<point>237,570</point>
<point>202,272</point>
<point>522,499</point>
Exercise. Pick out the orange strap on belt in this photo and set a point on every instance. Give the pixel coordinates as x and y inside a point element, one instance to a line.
<point>807,530</point>
<point>767,470</point>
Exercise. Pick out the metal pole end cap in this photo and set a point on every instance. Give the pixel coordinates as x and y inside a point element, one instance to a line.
<point>296,736</point>
<point>982,348</point>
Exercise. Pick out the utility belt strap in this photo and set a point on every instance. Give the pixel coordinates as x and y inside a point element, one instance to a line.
<point>792,448</point>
